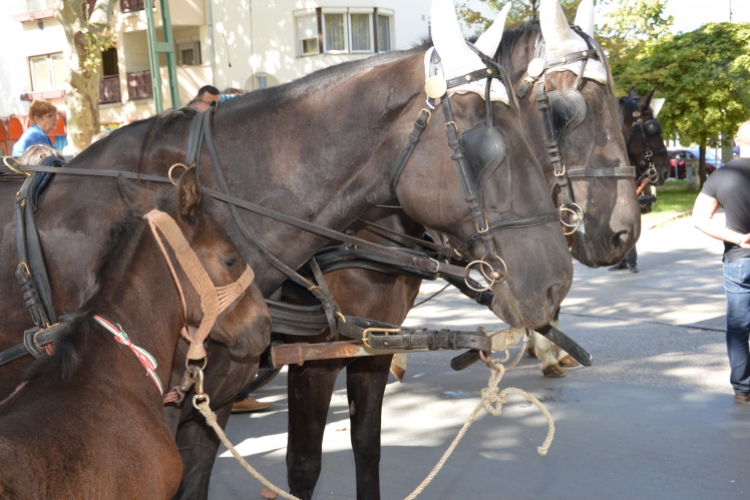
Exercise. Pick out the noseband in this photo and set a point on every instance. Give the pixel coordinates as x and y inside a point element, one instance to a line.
<point>562,111</point>
<point>214,299</point>
<point>477,153</point>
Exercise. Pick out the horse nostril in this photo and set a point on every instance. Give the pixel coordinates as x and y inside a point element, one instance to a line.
<point>621,239</point>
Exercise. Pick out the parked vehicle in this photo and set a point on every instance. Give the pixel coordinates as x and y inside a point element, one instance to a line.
<point>678,159</point>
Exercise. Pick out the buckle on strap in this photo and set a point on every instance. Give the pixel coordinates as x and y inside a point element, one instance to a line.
<point>385,331</point>
<point>34,339</point>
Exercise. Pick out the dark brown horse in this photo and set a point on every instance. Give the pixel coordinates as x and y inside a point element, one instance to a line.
<point>284,149</point>
<point>87,422</point>
<point>647,152</point>
<point>612,223</point>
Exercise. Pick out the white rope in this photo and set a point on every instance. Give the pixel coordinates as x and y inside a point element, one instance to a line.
<point>210,416</point>
<point>492,401</point>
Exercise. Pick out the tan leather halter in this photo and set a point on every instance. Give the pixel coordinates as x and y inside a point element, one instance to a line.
<point>214,299</point>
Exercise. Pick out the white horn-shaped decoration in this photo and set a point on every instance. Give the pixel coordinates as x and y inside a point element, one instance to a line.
<point>585,16</point>
<point>489,41</point>
<point>558,36</point>
<point>560,40</point>
<point>456,58</point>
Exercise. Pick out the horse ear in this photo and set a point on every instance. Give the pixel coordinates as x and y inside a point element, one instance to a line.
<point>135,195</point>
<point>633,94</point>
<point>489,41</point>
<point>585,16</point>
<point>447,38</point>
<point>645,102</point>
<point>190,197</point>
<point>555,28</point>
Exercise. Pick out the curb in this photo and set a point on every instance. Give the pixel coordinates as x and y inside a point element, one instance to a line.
<point>668,221</point>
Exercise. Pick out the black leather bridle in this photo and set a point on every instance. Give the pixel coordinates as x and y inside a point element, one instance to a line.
<point>647,129</point>
<point>554,132</point>
<point>457,142</point>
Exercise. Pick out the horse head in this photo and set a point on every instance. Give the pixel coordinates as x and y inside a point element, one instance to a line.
<point>242,321</point>
<point>642,132</point>
<point>565,90</point>
<point>481,185</point>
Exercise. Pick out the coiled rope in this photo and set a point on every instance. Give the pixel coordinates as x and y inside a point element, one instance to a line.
<point>492,401</point>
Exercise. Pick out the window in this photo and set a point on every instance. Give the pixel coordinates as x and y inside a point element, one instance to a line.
<point>360,21</point>
<point>334,32</point>
<point>39,4</point>
<point>189,51</point>
<point>307,34</point>
<point>109,81</point>
<point>384,33</point>
<point>47,72</point>
<point>340,30</point>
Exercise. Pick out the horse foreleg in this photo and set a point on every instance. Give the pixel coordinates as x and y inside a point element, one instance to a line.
<point>543,349</point>
<point>365,385</point>
<point>310,388</point>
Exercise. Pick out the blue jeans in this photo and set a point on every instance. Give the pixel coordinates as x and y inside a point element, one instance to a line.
<point>737,288</point>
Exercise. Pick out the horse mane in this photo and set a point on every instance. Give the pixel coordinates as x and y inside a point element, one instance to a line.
<point>520,34</point>
<point>76,326</point>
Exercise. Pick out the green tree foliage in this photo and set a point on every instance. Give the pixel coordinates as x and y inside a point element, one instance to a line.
<point>704,76</point>
<point>629,27</point>
<point>523,11</point>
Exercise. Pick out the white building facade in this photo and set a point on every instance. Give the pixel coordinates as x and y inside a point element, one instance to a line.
<point>241,44</point>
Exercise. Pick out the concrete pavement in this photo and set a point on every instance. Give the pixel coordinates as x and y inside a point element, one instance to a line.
<point>653,418</point>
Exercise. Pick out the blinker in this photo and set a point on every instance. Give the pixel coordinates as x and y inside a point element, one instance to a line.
<point>652,128</point>
<point>435,87</point>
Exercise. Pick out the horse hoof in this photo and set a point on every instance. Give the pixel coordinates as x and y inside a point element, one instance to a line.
<point>568,362</point>
<point>531,352</point>
<point>553,371</point>
<point>398,372</point>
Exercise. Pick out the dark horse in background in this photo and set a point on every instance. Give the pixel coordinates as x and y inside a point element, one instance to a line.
<point>87,423</point>
<point>647,152</point>
<point>283,149</point>
<point>612,217</point>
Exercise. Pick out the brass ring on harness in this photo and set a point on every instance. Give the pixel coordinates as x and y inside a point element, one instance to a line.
<point>486,227</point>
<point>561,173</point>
<point>20,172</point>
<point>366,332</point>
<point>169,173</point>
<point>576,216</point>
<point>480,264</point>
<point>191,368</point>
<point>341,316</point>
<point>494,276</point>
<point>451,123</point>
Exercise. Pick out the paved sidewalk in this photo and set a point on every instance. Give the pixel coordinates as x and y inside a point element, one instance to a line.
<point>653,418</point>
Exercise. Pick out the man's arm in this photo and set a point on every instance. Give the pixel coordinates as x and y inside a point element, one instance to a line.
<point>703,218</point>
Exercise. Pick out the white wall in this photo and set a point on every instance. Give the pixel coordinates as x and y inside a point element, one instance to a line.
<point>18,41</point>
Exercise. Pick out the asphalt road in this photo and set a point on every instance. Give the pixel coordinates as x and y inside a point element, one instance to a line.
<point>654,418</point>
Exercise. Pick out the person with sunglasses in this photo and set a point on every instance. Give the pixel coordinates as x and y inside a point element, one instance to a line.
<point>43,118</point>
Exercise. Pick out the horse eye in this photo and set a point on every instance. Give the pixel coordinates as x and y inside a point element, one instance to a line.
<point>230,262</point>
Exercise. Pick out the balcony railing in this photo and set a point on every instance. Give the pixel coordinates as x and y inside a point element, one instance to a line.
<point>109,89</point>
<point>139,85</point>
<point>131,5</point>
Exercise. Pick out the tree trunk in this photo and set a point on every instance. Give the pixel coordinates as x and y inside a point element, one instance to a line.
<point>82,86</point>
